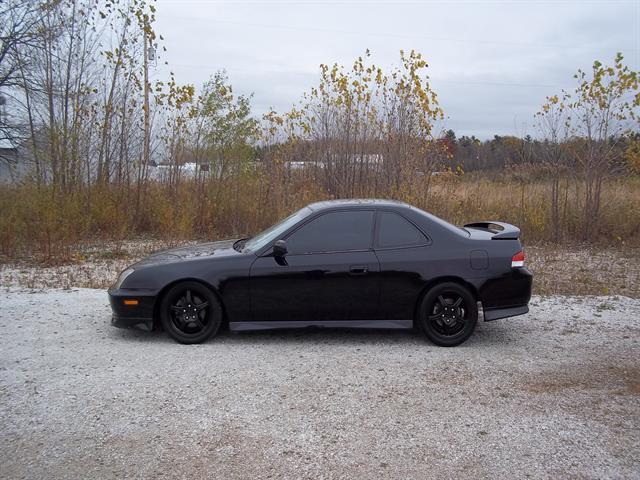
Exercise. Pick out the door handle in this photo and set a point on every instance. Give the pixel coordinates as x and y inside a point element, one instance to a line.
<point>358,269</point>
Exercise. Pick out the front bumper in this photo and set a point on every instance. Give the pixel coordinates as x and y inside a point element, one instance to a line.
<point>132,315</point>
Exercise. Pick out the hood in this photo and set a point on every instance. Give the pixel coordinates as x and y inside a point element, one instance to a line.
<point>218,249</point>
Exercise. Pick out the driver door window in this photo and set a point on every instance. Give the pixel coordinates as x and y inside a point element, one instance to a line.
<point>333,232</point>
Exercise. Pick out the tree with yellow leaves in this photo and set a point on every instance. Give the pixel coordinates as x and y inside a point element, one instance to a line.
<point>366,131</point>
<point>589,126</point>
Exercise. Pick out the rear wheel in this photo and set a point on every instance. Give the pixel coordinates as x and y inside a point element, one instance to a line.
<point>448,314</point>
<point>190,312</point>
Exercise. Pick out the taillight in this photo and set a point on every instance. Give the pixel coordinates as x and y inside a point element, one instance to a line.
<point>518,259</point>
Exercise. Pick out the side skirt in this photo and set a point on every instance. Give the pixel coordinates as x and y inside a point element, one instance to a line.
<point>386,324</point>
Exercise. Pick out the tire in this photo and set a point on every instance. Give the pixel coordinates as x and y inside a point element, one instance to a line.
<point>190,312</point>
<point>448,314</point>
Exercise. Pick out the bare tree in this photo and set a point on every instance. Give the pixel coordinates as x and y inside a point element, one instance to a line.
<point>554,129</point>
<point>18,20</point>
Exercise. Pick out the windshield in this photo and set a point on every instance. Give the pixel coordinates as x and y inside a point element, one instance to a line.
<point>272,233</point>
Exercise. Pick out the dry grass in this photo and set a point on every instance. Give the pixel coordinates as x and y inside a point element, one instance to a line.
<point>526,203</point>
<point>584,270</point>
<point>45,225</point>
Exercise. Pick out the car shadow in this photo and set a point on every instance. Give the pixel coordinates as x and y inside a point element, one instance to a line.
<point>486,334</point>
<point>327,335</point>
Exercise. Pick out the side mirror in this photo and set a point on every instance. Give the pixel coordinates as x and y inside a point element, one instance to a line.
<point>280,248</point>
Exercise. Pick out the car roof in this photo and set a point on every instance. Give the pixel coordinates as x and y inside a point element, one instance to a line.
<point>357,202</point>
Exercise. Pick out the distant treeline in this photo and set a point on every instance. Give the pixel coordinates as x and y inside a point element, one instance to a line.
<point>505,151</point>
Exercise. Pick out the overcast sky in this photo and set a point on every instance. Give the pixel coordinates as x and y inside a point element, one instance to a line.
<point>491,62</point>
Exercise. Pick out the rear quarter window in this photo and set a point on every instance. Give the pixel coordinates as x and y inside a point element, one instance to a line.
<point>396,231</point>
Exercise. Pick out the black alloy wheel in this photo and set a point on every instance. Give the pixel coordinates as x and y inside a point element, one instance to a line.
<point>448,314</point>
<point>190,312</point>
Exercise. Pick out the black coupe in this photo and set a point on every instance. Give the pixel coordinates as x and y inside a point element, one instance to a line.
<point>343,263</point>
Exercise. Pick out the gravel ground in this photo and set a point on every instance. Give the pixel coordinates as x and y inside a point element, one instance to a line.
<point>555,393</point>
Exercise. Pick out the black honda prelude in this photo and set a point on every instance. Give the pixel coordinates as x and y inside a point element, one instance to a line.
<point>342,263</point>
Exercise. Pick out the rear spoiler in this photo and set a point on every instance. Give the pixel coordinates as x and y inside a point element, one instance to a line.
<point>501,231</point>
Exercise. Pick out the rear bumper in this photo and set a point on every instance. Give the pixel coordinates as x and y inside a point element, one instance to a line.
<point>497,313</point>
<point>507,295</point>
<point>132,316</point>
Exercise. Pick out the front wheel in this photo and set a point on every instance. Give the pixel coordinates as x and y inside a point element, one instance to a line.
<point>448,314</point>
<point>190,312</point>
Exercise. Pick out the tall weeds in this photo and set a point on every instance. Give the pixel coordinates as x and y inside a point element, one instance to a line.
<point>48,224</point>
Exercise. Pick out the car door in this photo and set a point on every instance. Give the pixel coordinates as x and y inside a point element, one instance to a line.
<point>330,272</point>
<point>406,257</point>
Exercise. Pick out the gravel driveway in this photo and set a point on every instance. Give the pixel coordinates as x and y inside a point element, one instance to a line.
<point>555,393</point>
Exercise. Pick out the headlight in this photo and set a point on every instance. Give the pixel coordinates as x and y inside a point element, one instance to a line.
<point>122,277</point>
